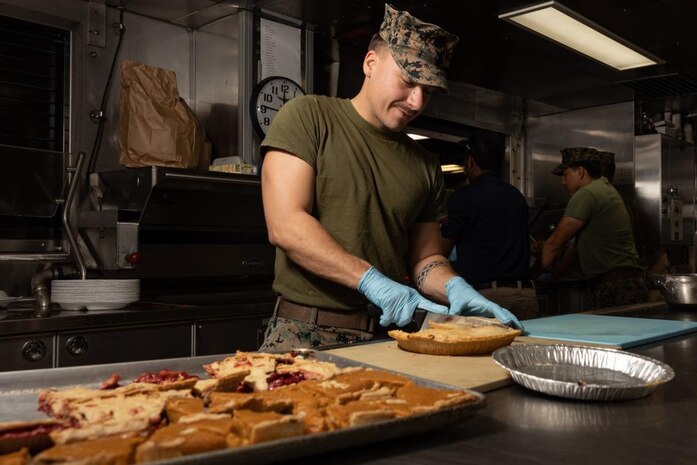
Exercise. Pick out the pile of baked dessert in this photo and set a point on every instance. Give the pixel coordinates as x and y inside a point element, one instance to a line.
<point>249,398</point>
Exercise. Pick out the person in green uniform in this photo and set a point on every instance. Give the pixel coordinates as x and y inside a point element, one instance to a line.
<point>596,217</point>
<point>352,204</point>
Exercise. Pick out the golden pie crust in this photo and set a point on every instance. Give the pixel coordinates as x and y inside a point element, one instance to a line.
<point>141,422</point>
<point>20,457</point>
<point>457,338</point>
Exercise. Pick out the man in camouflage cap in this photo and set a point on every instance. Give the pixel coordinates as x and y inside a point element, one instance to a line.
<point>420,49</point>
<point>598,228</point>
<point>607,165</point>
<point>574,156</point>
<point>353,204</point>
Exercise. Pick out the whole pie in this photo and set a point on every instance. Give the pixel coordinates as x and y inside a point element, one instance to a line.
<point>457,336</point>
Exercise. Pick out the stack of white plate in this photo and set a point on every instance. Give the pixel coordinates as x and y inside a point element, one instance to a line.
<point>94,294</point>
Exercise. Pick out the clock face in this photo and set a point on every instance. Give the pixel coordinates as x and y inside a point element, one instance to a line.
<point>268,97</point>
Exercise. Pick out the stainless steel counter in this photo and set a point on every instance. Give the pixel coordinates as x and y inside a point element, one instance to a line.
<point>522,427</point>
<point>18,319</point>
<point>176,326</point>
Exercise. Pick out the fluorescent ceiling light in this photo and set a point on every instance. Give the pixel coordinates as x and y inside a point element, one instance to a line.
<point>417,136</point>
<point>419,132</point>
<point>560,24</point>
<point>452,168</point>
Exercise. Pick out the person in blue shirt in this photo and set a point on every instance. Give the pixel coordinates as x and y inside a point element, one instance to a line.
<point>488,226</point>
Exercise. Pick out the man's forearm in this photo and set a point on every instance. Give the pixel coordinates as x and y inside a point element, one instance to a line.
<point>430,275</point>
<point>550,251</point>
<point>565,230</point>
<point>568,259</point>
<point>310,246</point>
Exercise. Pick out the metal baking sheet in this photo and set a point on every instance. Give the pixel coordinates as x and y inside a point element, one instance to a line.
<point>579,372</point>
<point>19,391</point>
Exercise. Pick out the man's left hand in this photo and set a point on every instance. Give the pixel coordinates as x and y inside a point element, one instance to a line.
<point>465,300</point>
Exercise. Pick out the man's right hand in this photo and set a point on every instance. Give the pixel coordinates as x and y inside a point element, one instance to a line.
<point>465,300</point>
<point>397,301</point>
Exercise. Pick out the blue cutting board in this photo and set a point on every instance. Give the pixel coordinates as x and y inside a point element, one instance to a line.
<point>611,330</point>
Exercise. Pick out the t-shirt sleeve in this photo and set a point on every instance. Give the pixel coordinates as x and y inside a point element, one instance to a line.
<point>434,208</point>
<point>580,205</point>
<point>295,130</point>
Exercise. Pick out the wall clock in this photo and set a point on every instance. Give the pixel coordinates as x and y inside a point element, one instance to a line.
<point>268,97</point>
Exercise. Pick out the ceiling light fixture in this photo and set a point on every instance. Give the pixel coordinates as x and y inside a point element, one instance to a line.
<point>558,23</point>
<point>452,168</point>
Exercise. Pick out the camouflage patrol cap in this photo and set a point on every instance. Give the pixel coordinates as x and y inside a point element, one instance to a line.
<point>606,157</point>
<point>607,164</point>
<point>573,155</point>
<point>421,50</point>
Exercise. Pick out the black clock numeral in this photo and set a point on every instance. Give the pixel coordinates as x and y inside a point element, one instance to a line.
<point>270,95</point>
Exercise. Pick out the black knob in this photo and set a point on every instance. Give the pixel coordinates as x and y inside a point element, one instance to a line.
<point>34,350</point>
<point>76,346</point>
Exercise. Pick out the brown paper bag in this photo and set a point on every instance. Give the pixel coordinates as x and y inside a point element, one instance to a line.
<point>156,126</point>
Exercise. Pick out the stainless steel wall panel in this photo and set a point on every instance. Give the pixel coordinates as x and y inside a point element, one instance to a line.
<point>475,106</point>
<point>249,141</point>
<point>662,163</point>
<point>647,185</point>
<point>217,70</point>
<point>482,108</point>
<point>609,128</point>
<point>148,41</point>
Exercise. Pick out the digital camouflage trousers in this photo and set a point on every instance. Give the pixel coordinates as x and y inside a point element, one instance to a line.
<point>283,335</point>
<point>626,291</point>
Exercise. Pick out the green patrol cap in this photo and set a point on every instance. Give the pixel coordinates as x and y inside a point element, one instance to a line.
<point>573,155</point>
<point>421,50</point>
<point>607,164</point>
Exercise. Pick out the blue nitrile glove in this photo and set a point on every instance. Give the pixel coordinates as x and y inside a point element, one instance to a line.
<point>397,301</point>
<point>465,300</point>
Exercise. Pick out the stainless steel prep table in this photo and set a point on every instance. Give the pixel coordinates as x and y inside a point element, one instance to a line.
<point>522,427</point>
<point>19,320</point>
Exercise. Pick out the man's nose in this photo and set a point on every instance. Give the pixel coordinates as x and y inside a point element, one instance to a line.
<point>416,98</point>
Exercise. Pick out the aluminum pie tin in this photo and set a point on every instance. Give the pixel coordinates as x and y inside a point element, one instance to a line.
<point>579,372</point>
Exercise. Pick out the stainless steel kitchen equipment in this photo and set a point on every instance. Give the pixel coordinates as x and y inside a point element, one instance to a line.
<point>678,289</point>
<point>547,134</point>
<point>165,222</point>
<point>665,189</point>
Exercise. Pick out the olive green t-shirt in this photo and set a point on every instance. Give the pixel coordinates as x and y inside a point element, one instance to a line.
<point>606,240</point>
<point>371,185</point>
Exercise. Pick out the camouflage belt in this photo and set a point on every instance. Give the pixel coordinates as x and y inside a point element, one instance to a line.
<point>361,320</point>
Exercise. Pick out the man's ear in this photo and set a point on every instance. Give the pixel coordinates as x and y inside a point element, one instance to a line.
<point>369,62</point>
<point>469,162</point>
